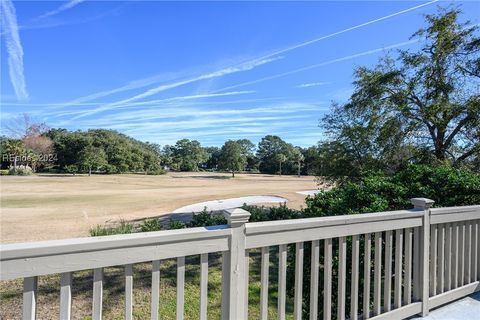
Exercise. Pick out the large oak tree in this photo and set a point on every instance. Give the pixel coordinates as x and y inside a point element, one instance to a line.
<point>422,106</point>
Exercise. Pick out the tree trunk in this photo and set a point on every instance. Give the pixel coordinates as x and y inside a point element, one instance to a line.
<point>299,168</point>
<point>280,167</point>
<point>233,174</point>
<point>89,171</point>
<point>15,164</point>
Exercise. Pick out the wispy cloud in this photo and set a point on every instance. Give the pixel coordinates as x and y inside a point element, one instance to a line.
<point>136,84</point>
<point>192,112</point>
<point>154,103</point>
<point>62,8</point>
<point>219,73</point>
<point>244,66</point>
<point>312,84</point>
<point>193,97</point>
<point>321,64</point>
<point>14,49</point>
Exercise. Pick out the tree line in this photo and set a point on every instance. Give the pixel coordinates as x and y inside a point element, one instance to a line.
<point>108,151</point>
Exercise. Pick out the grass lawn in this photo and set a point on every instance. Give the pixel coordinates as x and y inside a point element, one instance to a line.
<point>47,207</point>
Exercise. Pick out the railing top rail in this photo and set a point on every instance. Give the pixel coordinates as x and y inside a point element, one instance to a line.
<point>76,245</point>
<point>461,209</point>
<point>309,223</point>
<point>454,214</point>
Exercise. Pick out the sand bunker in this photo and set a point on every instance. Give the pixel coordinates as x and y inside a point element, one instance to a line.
<point>309,192</point>
<point>216,205</point>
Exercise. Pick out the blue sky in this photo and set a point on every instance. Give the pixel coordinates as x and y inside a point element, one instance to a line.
<point>211,71</point>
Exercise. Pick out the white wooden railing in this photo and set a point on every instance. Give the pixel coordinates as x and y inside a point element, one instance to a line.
<point>422,258</point>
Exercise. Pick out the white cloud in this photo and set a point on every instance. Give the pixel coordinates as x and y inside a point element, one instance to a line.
<point>312,84</point>
<point>177,111</point>
<point>62,8</point>
<point>158,102</point>
<point>14,49</point>
<point>249,65</point>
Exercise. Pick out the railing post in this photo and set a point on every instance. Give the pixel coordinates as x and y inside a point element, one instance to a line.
<point>235,284</point>
<point>424,204</point>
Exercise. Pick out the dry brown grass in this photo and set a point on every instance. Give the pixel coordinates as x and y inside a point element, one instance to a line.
<point>46,207</point>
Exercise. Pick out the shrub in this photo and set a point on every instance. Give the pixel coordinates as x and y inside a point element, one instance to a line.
<point>152,224</point>
<point>72,168</point>
<point>156,172</point>
<point>281,212</point>
<point>122,228</point>
<point>206,218</point>
<point>20,171</point>
<point>176,224</point>
<point>4,172</point>
<point>446,185</point>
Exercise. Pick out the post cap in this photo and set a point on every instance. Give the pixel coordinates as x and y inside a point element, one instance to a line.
<point>236,216</point>
<point>421,203</point>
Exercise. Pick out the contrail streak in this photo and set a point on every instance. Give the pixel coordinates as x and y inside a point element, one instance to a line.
<point>249,62</point>
<point>321,64</point>
<point>242,67</point>
<point>14,49</point>
<point>303,44</point>
<point>62,8</point>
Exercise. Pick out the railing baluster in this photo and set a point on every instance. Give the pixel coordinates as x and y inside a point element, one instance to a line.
<point>97,294</point>
<point>342,277</point>
<point>247,280</point>
<point>355,277</point>
<point>441,259</point>
<point>180,287</point>
<point>407,289</point>
<point>225,284</point>
<point>65,296</point>
<point>282,280</point>
<point>468,253</point>
<point>433,260</point>
<point>366,275</point>
<point>475,252</point>
<point>461,257</point>
<point>377,275</point>
<point>455,259</point>
<point>327,280</point>
<point>264,283</point>
<point>30,298</point>
<point>387,282</point>
<point>297,303</point>
<point>416,264</point>
<point>203,285</point>
<point>448,257</point>
<point>314,277</point>
<point>397,296</point>
<point>128,292</point>
<point>155,290</point>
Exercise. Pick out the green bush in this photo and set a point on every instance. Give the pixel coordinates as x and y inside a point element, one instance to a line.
<point>176,224</point>
<point>156,172</point>
<point>446,185</point>
<point>122,228</point>
<point>152,224</point>
<point>206,218</point>
<point>20,171</point>
<point>72,168</point>
<point>281,212</point>
<point>4,172</point>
